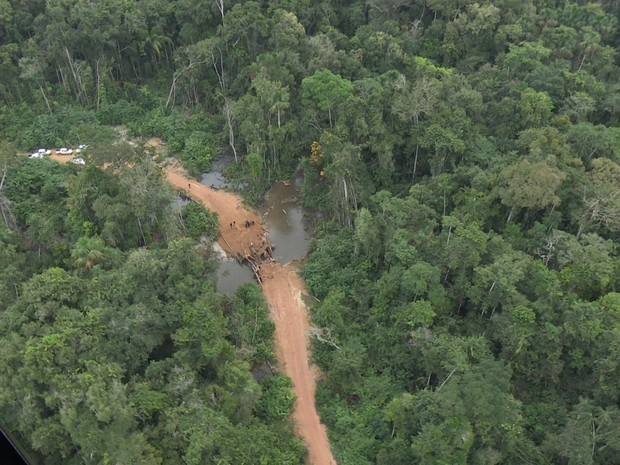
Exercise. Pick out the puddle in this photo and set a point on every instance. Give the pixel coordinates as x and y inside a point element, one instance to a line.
<point>289,231</point>
<point>214,179</point>
<point>179,202</point>
<point>222,163</point>
<point>231,276</point>
<point>283,217</point>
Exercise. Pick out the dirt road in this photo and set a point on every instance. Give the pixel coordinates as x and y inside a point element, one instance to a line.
<point>282,288</point>
<point>242,233</point>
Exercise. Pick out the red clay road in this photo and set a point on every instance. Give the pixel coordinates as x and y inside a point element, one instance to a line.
<point>283,289</point>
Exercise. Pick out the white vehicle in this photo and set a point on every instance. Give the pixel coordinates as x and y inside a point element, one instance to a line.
<point>78,161</point>
<point>80,148</point>
<point>64,151</point>
<point>36,155</point>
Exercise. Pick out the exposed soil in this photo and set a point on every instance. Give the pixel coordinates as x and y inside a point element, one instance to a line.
<point>61,158</point>
<point>236,239</point>
<point>283,290</point>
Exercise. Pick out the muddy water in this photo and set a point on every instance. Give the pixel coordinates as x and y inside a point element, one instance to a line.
<point>283,217</point>
<point>214,179</point>
<point>232,275</point>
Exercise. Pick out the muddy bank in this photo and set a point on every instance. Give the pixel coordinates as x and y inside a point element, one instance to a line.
<point>242,234</point>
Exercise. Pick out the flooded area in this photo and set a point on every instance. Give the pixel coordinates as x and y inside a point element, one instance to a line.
<point>179,202</point>
<point>232,275</point>
<point>283,217</point>
<point>281,285</point>
<point>214,179</point>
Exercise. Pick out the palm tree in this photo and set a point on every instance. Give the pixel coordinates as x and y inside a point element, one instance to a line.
<point>88,253</point>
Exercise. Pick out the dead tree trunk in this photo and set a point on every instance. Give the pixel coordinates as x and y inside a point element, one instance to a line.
<point>229,123</point>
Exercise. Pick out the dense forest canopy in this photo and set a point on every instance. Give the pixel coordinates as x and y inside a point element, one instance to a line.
<point>116,347</point>
<point>465,157</point>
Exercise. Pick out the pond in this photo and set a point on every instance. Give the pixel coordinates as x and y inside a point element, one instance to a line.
<point>283,216</point>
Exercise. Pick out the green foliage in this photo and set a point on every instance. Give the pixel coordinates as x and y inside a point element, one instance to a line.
<point>421,307</point>
<point>13,263</point>
<point>117,345</point>
<point>469,183</point>
<point>331,265</point>
<point>449,442</point>
<point>88,253</point>
<point>31,129</point>
<point>197,153</point>
<point>530,185</point>
<point>38,191</point>
<point>326,90</point>
<point>277,399</point>
<point>200,222</point>
<point>256,165</point>
<point>112,359</point>
<point>119,112</point>
<point>133,208</point>
<point>250,326</point>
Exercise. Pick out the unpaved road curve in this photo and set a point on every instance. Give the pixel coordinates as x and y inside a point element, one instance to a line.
<point>235,239</point>
<point>283,289</point>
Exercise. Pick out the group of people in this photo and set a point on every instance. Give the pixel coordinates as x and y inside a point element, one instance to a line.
<point>247,224</point>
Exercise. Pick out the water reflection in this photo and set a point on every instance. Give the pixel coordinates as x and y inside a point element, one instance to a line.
<point>284,219</point>
<point>231,276</point>
<point>214,179</point>
<point>179,202</point>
